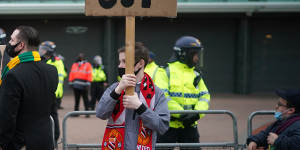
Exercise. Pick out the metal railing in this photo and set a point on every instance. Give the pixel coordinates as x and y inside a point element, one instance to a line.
<point>234,144</point>
<point>53,132</point>
<point>253,114</point>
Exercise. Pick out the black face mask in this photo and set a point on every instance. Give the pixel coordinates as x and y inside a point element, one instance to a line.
<point>121,71</point>
<point>10,50</point>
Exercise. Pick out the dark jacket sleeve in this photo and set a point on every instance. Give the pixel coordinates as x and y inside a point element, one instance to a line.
<point>10,96</point>
<point>261,138</point>
<point>289,139</point>
<point>106,104</point>
<point>159,118</point>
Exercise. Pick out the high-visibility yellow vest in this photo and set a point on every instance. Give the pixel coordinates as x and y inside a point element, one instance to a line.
<point>99,74</point>
<point>58,63</point>
<point>183,93</point>
<point>151,69</point>
<point>158,74</point>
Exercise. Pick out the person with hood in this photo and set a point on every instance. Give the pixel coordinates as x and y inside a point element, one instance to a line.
<point>80,79</point>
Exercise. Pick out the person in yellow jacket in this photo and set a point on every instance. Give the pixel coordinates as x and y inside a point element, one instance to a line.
<point>187,90</point>
<point>47,52</point>
<point>154,71</point>
<point>99,82</point>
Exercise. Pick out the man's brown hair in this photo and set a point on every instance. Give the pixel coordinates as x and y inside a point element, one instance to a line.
<point>141,52</point>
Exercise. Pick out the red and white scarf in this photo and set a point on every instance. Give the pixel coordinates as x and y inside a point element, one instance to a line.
<point>115,130</point>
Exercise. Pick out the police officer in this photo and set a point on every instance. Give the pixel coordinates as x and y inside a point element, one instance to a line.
<point>154,71</point>
<point>4,56</point>
<point>187,91</point>
<point>47,50</point>
<point>99,81</point>
<point>151,67</point>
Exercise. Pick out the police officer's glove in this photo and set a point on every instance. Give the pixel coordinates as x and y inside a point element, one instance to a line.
<point>189,119</point>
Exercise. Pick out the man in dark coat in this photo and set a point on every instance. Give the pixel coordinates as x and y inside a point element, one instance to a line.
<point>284,134</point>
<point>27,91</point>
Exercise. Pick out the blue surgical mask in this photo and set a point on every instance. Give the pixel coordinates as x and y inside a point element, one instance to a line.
<point>278,115</point>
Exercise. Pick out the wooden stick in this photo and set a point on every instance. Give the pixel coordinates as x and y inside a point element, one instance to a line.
<point>130,48</point>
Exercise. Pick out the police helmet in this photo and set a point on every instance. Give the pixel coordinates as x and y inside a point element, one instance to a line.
<point>2,37</point>
<point>47,48</point>
<point>185,47</point>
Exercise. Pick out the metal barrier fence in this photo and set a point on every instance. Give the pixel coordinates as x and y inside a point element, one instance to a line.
<point>253,114</point>
<point>53,132</point>
<point>234,144</point>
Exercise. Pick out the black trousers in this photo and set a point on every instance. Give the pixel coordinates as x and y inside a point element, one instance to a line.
<point>78,93</point>
<point>97,89</point>
<point>58,102</point>
<point>174,135</point>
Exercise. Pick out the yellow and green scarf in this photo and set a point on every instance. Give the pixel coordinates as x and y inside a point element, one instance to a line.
<point>24,57</point>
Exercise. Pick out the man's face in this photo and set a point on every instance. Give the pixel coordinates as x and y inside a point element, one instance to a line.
<point>195,58</point>
<point>122,60</point>
<point>13,38</point>
<point>192,58</point>
<point>282,107</point>
<point>122,63</point>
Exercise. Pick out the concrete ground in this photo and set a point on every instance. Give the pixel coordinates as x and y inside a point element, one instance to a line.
<point>212,128</point>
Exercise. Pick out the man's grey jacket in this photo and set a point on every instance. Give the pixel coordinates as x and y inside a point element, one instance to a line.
<point>157,120</point>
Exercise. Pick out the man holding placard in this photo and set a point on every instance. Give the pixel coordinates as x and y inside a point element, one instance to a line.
<point>133,120</point>
<point>147,114</point>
